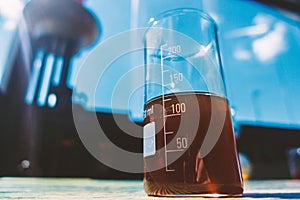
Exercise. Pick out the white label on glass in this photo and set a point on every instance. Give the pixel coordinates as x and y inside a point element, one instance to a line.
<point>149,139</point>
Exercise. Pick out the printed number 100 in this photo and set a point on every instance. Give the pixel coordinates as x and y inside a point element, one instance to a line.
<point>178,108</point>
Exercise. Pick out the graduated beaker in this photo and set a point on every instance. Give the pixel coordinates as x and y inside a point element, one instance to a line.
<point>189,145</point>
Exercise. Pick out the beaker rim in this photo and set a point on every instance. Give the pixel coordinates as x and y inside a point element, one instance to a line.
<point>180,11</point>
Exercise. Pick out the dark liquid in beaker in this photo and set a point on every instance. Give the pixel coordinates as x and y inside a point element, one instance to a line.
<point>186,172</point>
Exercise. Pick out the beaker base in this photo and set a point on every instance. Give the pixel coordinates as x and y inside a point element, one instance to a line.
<point>193,190</point>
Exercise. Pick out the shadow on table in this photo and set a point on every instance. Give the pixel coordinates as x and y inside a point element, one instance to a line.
<point>292,195</point>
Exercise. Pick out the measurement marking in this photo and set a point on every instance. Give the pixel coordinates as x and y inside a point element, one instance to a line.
<point>169,99</point>
<point>171,56</point>
<point>163,104</point>
<point>170,170</point>
<point>170,84</point>
<point>165,70</point>
<point>174,150</point>
<point>169,133</point>
<point>173,115</point>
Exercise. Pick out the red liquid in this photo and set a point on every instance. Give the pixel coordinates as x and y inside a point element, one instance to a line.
<point>185,172</point>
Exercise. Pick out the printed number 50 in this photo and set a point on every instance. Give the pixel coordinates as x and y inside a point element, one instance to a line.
<point>181,143</point>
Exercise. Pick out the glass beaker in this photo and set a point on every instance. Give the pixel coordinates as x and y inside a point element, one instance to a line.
<point>189,145</point>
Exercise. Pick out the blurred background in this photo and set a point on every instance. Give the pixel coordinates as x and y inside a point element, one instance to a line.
<point>44,43</point>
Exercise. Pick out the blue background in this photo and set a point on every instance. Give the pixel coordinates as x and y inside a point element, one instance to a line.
<point>259,47</point>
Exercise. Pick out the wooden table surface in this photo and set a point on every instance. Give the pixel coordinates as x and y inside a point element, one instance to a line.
<point>56,188</point>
